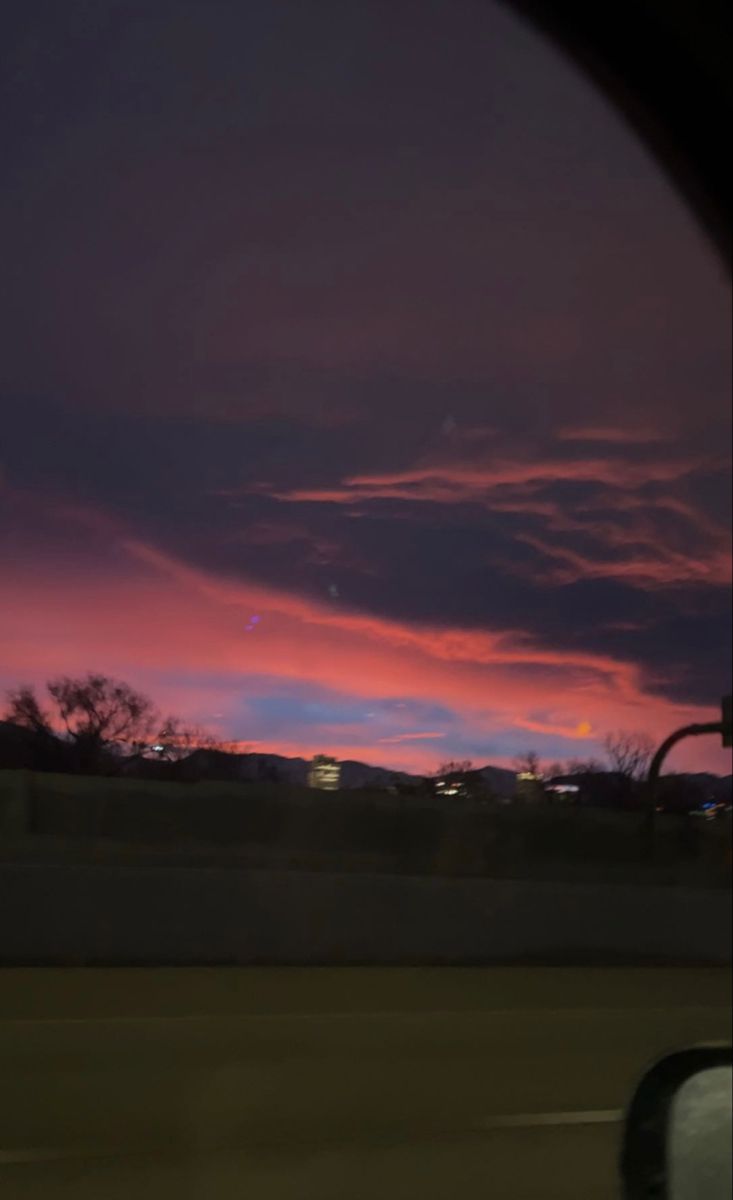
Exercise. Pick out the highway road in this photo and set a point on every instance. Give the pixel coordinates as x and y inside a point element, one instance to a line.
<point>330,1084</point>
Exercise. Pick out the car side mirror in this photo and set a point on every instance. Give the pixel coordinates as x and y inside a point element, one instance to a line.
<point>677,1137</point>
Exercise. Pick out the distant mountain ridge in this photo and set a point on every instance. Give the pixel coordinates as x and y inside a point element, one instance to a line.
<point>354,774</point>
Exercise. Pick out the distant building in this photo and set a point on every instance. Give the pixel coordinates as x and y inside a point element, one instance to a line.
<point>567,793</point>
<point>529,788</point>
<point>594,789</point>
<point>324,773</point>
<point>450,787</point>
<point>463,783</point>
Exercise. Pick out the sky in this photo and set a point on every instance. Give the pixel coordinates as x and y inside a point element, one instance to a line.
<point>364,386</point>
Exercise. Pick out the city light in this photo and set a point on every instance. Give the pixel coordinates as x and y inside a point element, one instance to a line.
<point>324,773</point>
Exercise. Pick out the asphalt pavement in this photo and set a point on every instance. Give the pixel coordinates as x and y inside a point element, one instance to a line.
<point>328,1084</point>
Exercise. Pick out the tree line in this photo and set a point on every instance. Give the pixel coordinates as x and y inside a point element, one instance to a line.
<point>91,723</point>
<point>628,754</point>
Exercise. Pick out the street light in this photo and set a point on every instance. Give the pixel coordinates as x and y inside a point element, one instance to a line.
<point>723,727</point>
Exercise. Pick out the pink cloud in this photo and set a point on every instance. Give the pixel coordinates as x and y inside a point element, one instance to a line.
<point>410,737</point>
<point>621,434</point>
<point>581,731</point>
<point>459,646</point>
<point>456,483</point>
<point>663,567</point>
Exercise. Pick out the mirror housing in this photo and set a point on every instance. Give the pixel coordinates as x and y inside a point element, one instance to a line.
<point>647,1151</point>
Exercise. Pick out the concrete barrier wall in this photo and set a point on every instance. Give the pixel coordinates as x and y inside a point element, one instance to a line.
<point>126,915</point>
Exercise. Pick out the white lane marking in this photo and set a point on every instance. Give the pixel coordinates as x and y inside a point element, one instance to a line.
<point>592,1116</point>
<point>599,1116</point>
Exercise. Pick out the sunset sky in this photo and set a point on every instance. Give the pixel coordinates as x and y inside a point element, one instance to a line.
<point>364,385</point>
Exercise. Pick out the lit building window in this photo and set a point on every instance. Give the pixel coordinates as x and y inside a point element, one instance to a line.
<point>324,773</point>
